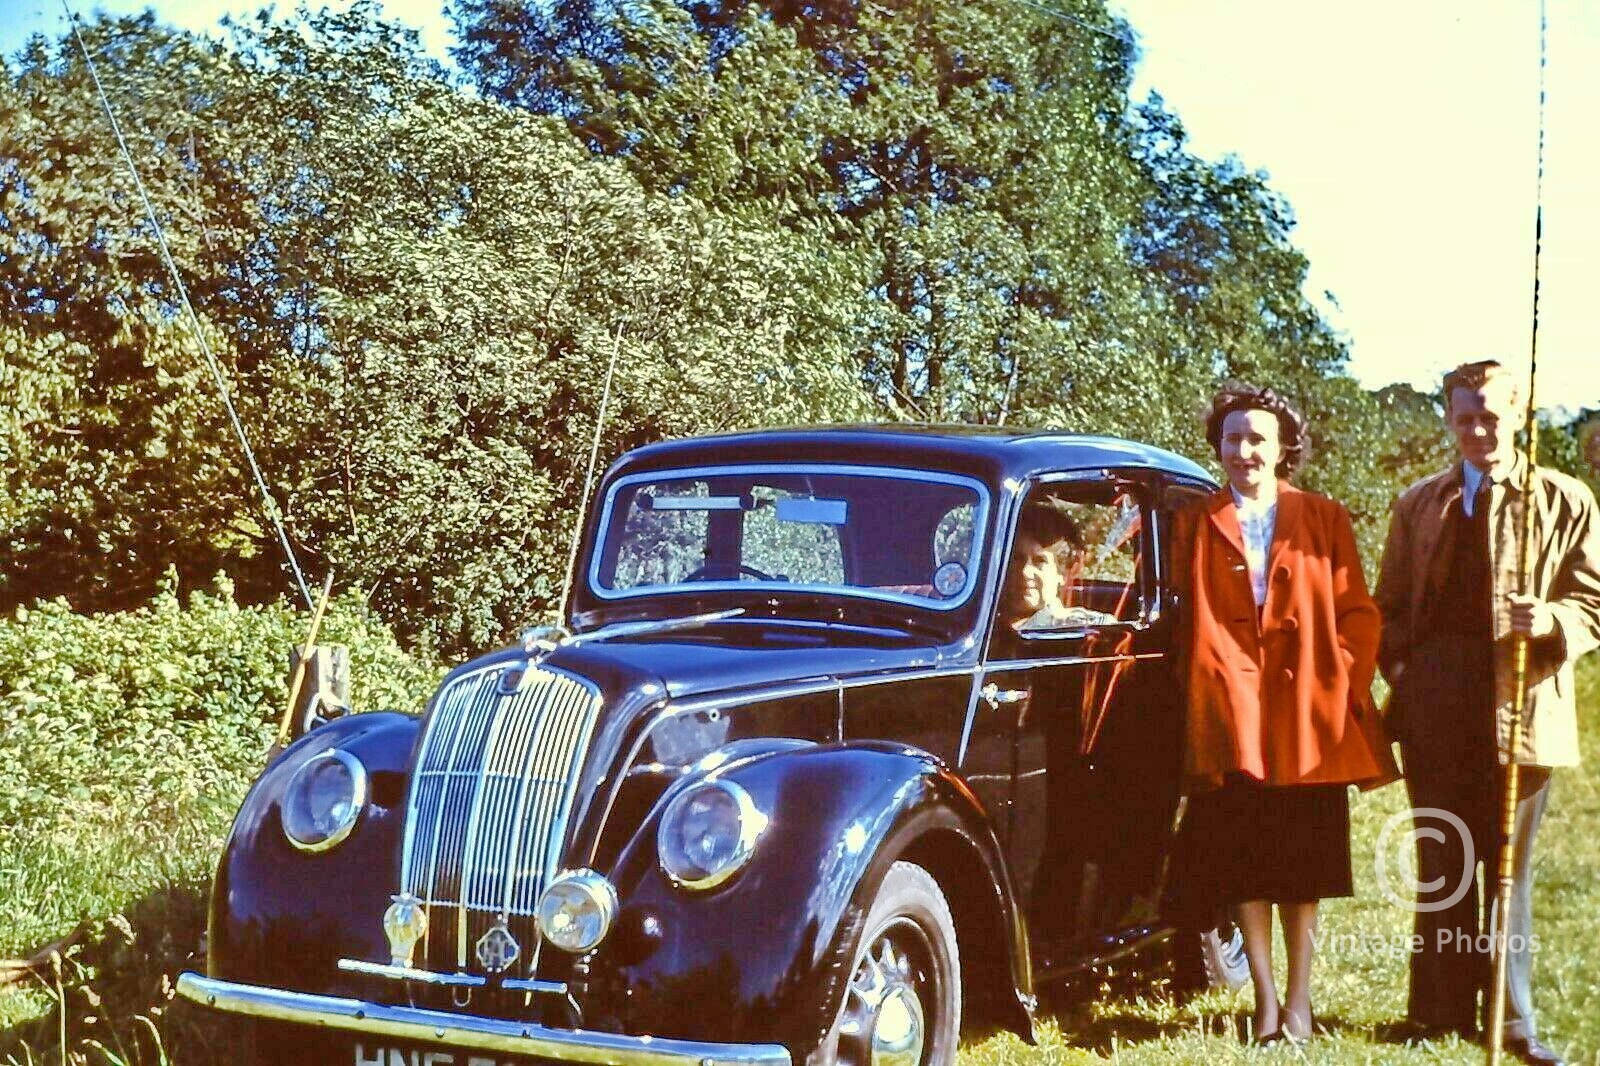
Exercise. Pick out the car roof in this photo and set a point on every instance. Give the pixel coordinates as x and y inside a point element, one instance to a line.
<point>985,451</point>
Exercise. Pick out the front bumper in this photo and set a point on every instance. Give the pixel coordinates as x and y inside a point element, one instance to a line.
<point>469,1031</point>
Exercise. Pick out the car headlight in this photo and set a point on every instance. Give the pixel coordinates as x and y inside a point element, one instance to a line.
<point>576,911</point>
<point>707,834</point>
<point>324,799</point>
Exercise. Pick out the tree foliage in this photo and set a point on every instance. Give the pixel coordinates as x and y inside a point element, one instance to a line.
<point>768,211</point>
<point>414,295</point>
<point>1034,247</point>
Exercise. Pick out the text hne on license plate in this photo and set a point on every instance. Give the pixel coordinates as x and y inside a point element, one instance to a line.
<point>379,1055</point>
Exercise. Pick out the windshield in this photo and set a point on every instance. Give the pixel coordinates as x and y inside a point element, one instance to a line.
<point>882,533</point>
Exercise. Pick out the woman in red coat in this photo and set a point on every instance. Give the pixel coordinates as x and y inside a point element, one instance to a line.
<point>1279,643</point>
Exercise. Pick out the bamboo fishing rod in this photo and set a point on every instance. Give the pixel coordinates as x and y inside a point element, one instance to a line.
<point>269,502</point>
<point>1499,914</point>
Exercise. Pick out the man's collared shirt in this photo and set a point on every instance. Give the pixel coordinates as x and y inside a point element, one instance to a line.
<point>1472,480</point>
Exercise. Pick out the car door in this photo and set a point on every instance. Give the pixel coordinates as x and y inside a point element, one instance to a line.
<point>1091,708</point>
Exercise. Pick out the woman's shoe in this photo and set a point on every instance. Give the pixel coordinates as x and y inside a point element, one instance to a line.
<point>1288,1034</point>
<point>1276,1036</point>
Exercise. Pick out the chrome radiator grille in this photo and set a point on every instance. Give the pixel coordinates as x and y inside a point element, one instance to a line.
<point>489,804</point>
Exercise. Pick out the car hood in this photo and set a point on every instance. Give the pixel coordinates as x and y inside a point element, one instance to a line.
<point>695,667</point>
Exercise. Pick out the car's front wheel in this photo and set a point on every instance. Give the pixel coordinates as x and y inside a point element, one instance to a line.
<point>902,1006</point>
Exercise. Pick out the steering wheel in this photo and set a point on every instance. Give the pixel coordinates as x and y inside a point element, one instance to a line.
<point>711,572</point>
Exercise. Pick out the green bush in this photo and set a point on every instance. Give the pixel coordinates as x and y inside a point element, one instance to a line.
<point>163,707</point>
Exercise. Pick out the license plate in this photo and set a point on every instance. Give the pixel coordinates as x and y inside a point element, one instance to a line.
<point>396,1055</point>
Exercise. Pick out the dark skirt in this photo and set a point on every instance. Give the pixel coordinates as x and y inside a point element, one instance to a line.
<point>1246,841</point>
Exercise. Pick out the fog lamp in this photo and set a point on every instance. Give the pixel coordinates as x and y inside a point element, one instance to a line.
<point>576,911</point>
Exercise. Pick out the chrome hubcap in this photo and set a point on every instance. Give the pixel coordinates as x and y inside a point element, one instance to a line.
<point>884,1023</point>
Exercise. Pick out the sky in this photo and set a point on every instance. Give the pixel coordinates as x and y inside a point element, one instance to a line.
<point>1404,135</point>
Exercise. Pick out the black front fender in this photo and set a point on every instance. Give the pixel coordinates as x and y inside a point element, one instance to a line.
<point>766,956</point>
<point>283,917</point>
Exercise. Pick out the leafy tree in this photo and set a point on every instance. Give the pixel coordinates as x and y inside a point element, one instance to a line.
<point>1035,247</point>
<point>414,295</point>
<point>1572,445</point>
<point>970,163</point>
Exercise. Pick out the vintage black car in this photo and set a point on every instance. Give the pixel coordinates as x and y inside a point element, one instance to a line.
<point>796,782</point>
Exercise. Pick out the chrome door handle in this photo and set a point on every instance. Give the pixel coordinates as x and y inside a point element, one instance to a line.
<point>994,695</point>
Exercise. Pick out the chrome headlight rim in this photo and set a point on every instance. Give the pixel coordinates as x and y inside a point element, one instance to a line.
<point>600,891</point>
<point>752,822</point>
<point>359,789</point>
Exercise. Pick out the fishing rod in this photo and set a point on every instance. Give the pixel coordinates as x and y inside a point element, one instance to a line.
<point>588,480</point>
<point>269,501</point>
<point>1499,914</point>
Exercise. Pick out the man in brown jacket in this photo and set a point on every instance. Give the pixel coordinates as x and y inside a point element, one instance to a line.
<point>1448,593</point>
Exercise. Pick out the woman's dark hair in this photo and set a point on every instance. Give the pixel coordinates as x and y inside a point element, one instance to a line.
<point>1237,396</point>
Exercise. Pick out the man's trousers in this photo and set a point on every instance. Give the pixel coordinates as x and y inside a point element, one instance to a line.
<point>1454,962</point>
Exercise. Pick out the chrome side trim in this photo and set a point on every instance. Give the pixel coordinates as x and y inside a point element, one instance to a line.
<point>469,1031</point>
<point>803,688</point>
<point>1070,660</point>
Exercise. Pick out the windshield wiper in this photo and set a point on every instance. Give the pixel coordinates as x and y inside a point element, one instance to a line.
<point>658,625</point>
<point>870,616</point>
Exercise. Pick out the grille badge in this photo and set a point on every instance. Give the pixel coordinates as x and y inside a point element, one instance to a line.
<point>513,678</point>
<point>498,949</point>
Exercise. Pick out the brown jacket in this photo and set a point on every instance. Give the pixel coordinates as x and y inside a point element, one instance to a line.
<point>1285,698</point>
<point>1565,570</point>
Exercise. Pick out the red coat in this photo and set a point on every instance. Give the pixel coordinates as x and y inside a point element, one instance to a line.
<point>1284,697</point>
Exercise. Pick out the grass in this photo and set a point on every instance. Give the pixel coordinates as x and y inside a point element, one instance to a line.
<point>1360,982</point>
<point>133,886</point>
<point>129,894</point>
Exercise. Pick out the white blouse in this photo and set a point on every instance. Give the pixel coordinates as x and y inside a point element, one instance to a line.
<point>1256,520</point>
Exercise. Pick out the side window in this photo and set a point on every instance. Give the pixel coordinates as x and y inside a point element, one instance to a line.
<point>802,552</point>
<point>1076,560</point>
<point>1109,580</point>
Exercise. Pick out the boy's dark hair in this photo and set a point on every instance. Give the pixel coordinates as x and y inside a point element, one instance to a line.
<point>1046,520</point>
<point>1238,396</point>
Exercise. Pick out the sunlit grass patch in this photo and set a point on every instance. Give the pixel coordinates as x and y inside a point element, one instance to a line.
<point>1361,977</point>
<point>135,883</point>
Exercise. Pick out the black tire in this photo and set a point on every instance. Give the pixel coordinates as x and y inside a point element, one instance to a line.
<point>904,992</point>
